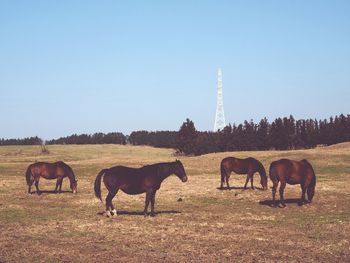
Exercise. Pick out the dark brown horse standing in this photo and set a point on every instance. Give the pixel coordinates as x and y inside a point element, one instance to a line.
<point>58,170</point>
<point>247,166</point>
<point>133,181</point>
<point>293,172</point>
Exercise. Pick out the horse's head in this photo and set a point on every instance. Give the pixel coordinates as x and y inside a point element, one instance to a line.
<point>263,182</point>
<point>263,177</point>
<point>74,186</point>
<point>179,171</point>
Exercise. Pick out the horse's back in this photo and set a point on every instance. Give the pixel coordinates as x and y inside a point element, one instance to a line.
<point>50,170</point>
<point>290,171</point>
<point>242,166</point>
<point>233,164</point>
<point>130,180</point>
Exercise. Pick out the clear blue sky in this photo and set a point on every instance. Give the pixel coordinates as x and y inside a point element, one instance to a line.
<point>88,66</point>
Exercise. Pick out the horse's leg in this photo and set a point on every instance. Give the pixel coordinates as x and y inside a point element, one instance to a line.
<point>153,200</point>
<point>56,186</point>
<point>113,210</point>
<point>60,187</point>
<point>109,205</point>
<point>246,182</point>
<point>227,181</point>
<point>148,198</point>
<point>222,181</point>
<point>30,186</point>
<point>282,186</point>
<point>303,192</point>
<point>37,186</point>
<point>274,188</point>
<point>251,180</point>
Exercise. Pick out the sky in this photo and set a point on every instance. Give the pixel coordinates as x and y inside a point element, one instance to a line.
<point>103,66</point>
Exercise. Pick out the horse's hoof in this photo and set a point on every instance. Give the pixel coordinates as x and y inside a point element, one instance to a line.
<point>114,212</point>
<point>108,213</point>
<point>152,215</point>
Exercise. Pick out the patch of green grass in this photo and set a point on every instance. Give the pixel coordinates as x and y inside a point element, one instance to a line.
<point>208,201</point>
<point>21,216</point>
<point>319,219</point>
<point>333,170</point>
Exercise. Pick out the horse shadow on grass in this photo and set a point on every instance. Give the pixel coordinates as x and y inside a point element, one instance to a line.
<point>278,202</point>
<point>230,188</point>
<point>141,213</point>
<point>50,192</point>
<point>238,188</point>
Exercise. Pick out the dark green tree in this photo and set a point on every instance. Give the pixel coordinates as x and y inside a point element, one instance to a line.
<point>187,138</point>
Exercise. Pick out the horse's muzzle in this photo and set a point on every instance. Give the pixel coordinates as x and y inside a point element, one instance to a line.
<point>184,179</point>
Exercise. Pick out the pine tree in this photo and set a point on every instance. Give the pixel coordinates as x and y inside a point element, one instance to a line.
<point>186,138</point>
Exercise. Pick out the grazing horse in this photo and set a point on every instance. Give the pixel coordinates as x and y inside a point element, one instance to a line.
<point>247,166</point>
<point>58,170</point>
<point>135,181</point>
<point>293,172</point>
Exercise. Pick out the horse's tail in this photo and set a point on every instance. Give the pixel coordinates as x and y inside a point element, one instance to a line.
<point>272,172</point>
<point>223,171</point>
<point>29,176</point>
<point>98,183</point>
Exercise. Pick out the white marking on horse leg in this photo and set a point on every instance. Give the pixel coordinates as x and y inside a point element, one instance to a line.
<point>114,212</point>
<point>108,213</point>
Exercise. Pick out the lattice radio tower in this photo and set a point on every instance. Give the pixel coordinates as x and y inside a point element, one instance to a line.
<point>219,115</point>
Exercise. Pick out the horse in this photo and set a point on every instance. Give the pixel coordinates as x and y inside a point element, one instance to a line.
<point>133,181</point>
<point>293,172</point>
<point>247,166</point>
<point>57,170</point>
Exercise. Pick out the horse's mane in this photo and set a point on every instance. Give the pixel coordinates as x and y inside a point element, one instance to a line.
<point>158,168</point>
<point>157,164</point>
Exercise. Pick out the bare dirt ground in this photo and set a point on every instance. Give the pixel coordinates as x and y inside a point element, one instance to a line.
<point>208,225</point>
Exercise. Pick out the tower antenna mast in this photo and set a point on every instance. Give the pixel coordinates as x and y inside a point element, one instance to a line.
<point>219,115</point>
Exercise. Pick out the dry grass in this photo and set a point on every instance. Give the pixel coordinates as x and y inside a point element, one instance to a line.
<point>208,225</point>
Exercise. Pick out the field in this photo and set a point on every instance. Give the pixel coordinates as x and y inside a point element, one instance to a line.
<point>208,225</point>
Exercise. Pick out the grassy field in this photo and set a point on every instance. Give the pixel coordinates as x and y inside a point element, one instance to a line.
<point>208,225</point>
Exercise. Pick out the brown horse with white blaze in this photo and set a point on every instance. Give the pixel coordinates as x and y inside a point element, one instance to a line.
<point>133,181</point>
<point>247,166</point>
<point>293,172</point>
<point>57,170</point>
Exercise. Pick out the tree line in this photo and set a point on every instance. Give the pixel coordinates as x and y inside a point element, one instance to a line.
<point>96,138</point>
<point>25,141</point>
<point>281,134</point>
